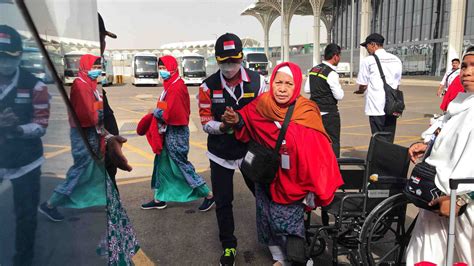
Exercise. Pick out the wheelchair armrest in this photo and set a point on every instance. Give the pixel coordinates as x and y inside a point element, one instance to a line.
<point>388,179</point>
<point>350,161</point>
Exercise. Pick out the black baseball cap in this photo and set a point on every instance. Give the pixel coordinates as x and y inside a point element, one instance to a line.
<point>374,37</point>
<point>103,30</point>
<point>10,42</point>
<point>228,46</point>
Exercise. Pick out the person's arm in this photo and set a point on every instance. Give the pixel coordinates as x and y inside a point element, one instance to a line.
<point>307,88</point>
<point>363,77</point>
<point>209,125</point>
<point>41,111</point>
<point>263,85</point>
<point>336,88</point>
<point>417,150</point>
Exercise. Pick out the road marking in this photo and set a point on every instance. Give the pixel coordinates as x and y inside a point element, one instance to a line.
<point>148,178</point>
<point>198,145</point>
<point>352,148</point>
<point>141,259</point>
<point>49,155</point>
<point>131,111</point>
<point>139,151</point>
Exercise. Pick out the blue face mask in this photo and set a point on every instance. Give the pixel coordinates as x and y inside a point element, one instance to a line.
<point>165,74</point>
<point>94,74</point>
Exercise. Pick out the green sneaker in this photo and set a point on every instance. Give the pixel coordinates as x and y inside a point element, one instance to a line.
<point>228,257</point>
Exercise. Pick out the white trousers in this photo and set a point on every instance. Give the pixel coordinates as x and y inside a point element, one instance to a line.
<point>429,238</point>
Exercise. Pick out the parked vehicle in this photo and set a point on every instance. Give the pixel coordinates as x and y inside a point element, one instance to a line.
<point>33,61</point>
<point>192,68</point>
<point>145,69</point>
<point>71,68</point>
<point>257,61</point>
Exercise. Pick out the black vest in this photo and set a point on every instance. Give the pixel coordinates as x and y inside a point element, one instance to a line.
<point>17,152</point>
<point>320,91</point>
<point>225,146</point>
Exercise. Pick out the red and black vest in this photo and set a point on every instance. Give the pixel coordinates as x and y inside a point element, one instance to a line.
<point>225,146</point>
<point>15,151</point>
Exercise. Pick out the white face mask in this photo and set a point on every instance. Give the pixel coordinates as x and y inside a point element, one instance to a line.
<point>8,65</point>
<point>229,70</point>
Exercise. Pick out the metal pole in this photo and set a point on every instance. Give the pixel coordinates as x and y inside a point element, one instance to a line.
<point>451,228</point>
<point>352,39</point>
<point>282,30</point>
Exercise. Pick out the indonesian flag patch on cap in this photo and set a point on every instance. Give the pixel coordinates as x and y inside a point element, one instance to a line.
<point>6,39</point>
<point>229,45</point>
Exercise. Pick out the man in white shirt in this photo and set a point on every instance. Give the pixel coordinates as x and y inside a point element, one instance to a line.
<point>448,78</point>
<point>323,85</point>
<point>371,83</point>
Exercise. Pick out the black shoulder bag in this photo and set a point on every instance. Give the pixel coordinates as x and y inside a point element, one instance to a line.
<point>394,103</point>
<point>260,164</point>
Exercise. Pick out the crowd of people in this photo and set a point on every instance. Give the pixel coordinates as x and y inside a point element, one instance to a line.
<point>238,110</point>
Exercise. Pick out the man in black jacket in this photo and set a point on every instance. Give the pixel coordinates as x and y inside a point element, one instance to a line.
<point>323,85</point>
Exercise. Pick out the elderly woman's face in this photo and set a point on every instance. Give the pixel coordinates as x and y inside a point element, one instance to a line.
<point>467,73</point>
<point>283,87</point>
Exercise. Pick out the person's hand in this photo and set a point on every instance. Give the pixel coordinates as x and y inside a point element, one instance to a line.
<point>444,205</point>
<point>8,118</point>
<point>114,151</point>
<point>230,117</point>
<point>359,92</point>
<point>416,151</point>
<point>439,92</point>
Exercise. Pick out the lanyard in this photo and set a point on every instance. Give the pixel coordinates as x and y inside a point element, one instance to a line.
<point>231,91</point>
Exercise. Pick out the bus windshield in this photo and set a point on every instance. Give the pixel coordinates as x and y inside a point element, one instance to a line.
<point>33,61</point>
<point>257,57</point>
<point>72,61</point>
<point>194,64</point>
<point>146,64</point>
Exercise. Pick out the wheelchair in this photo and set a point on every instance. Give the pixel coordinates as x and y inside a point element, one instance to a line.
<point>369,210</point>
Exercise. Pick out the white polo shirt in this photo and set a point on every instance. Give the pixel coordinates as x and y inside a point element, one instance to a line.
<point>448,78</point>
<point>369,75</point>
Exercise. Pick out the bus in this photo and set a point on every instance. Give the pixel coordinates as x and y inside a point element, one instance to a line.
<point>192,68</point>
<point>32,60</point>
<point>145,69</point>
<point>71,68</point>
<point>257,61</point>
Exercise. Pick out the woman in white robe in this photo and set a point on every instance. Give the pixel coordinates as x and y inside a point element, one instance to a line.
<point>453,157</point>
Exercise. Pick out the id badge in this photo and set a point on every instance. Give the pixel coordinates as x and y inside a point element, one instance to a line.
<point>285,161</point>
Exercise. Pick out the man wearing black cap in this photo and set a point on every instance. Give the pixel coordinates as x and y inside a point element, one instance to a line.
<point>114,157</point>
<point>323,85</point>
<point>231,86</point>
<point>371,83</point>
<point>24,115</point>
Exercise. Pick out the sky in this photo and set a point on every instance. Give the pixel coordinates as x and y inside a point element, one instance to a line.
<point>152,23</point>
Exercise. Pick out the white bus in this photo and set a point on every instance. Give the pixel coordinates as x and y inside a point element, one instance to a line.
<point>145,69</point>
<point>192,68</point>
<point>71,67</point>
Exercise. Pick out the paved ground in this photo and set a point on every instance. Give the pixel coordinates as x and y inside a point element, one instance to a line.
<point>178,235</point>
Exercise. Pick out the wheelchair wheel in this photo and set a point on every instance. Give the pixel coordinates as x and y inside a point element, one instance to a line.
<point>383,238</point>
<point>316,246</point>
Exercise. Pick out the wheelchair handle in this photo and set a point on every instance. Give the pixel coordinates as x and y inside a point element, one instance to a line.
<point>454,183</point>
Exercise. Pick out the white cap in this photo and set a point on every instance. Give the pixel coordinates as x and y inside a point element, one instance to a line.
<point>285,70</point>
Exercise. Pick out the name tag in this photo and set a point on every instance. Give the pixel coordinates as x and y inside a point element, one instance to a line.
<point>249,95</point>
<point>285,161</point>
<point>220,100</point>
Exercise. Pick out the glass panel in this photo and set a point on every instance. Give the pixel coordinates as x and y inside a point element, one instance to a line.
<point>44,162</point>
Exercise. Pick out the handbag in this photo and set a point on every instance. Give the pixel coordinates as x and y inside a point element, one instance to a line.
<point>421,188</point>
<point>260,163</point>
<point>394,103</point>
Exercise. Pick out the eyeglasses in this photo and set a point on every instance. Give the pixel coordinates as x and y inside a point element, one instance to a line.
<point>239,56</point>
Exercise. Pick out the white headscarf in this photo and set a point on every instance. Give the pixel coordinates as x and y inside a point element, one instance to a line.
<point>285,70</point>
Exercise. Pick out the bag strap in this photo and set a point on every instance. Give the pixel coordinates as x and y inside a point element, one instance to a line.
<point>284,127</point>
<point>382,75</point>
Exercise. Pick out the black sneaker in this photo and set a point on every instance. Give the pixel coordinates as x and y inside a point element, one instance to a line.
<point>52,214</point>
<point>228,257</point>
<point>207,204</point>
<point>154,205</point>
